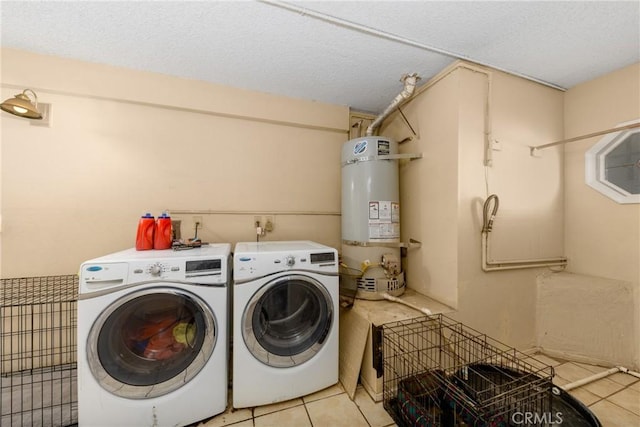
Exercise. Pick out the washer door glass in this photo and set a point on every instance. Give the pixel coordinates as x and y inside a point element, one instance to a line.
<point>151,342</point>
<point>287,321</point>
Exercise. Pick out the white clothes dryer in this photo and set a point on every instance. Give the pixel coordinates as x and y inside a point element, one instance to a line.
<point>153,339</point>
<point>285,321</point>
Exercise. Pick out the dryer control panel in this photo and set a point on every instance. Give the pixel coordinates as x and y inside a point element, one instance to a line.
<point>248,266</point>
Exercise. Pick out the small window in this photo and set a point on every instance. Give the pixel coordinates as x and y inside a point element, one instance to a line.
<point>612,166</point>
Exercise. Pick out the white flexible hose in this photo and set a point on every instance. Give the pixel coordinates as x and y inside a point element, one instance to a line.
<point>589,379</point>
<point>598,376</point>
<point>399,301</point>
<point>627,371</point>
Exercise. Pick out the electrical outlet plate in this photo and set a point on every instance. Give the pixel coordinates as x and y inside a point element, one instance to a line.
<point>269,224</point>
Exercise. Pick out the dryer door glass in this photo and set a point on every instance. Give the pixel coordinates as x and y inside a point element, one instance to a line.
<point>151,342</point>
<point>287,320</point>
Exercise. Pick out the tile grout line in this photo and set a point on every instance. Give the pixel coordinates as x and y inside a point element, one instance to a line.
<point>307,411</point>
<point>621,407</point>
<point>606,399</point>
<point>601,399</point>
<point>366,420</point>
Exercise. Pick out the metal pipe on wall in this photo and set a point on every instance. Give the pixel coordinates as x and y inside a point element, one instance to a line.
<point>487,227</point>
<point>399,39</point>
<point>186,110</point>
<point>515,264</point>
<point>274,213</point>
<point>578,138</point>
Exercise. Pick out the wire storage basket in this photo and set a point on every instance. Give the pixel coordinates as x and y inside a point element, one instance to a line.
<point>439,372</point>
<point>38,374</point>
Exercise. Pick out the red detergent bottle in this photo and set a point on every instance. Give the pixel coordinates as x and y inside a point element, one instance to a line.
<point>163,237</point>
<point>146,231</point>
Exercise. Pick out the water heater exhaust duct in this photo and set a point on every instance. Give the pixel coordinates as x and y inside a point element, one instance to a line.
<point>410,81</point>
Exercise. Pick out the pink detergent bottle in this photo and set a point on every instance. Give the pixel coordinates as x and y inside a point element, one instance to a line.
<point>163,235</point>
<point>146,231</point>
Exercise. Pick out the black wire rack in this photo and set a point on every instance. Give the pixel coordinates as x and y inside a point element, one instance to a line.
<point>38,376</point>
<point>439,372</point>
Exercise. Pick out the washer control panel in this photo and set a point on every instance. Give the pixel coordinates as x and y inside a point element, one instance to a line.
<point>108,274</point>
<point>208,265</point>
<point>157,269</point>
<point>190,270</point>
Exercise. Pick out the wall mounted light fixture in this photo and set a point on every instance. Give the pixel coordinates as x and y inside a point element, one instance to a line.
<point>21,105</point>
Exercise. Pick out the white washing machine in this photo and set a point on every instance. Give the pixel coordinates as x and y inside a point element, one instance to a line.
<point>153,338</point>
<point>285,321</point>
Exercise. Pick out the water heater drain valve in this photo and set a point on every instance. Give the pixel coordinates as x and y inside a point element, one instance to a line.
<point>391,264</point>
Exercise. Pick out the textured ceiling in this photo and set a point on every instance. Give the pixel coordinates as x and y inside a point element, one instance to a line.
<point>348,53</point>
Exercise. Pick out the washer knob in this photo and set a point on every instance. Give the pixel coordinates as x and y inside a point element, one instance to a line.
<point>155,269</point>
<point>290,260</point>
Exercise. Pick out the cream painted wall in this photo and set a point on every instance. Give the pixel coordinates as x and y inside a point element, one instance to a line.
<point>529,222</point>
<point>595,311</point>
<point>442,194</point>
<point>611,248</point>
<point>428,190</point>
<point>124,142</point>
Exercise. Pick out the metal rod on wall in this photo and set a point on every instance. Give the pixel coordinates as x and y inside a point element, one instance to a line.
<point>274,213</point>
<point>578,138</point>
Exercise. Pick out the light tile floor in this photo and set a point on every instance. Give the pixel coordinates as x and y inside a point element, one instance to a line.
<point>615,400</point>
<point>329,407</point>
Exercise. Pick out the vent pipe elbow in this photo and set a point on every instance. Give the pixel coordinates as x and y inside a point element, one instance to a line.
<point>410,81</point>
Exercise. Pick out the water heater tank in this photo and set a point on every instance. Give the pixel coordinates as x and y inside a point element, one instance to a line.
<point>370,191</point>
<point>371,215</point>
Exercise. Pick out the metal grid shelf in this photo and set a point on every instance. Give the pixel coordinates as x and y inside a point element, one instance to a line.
<point>440,372</point>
